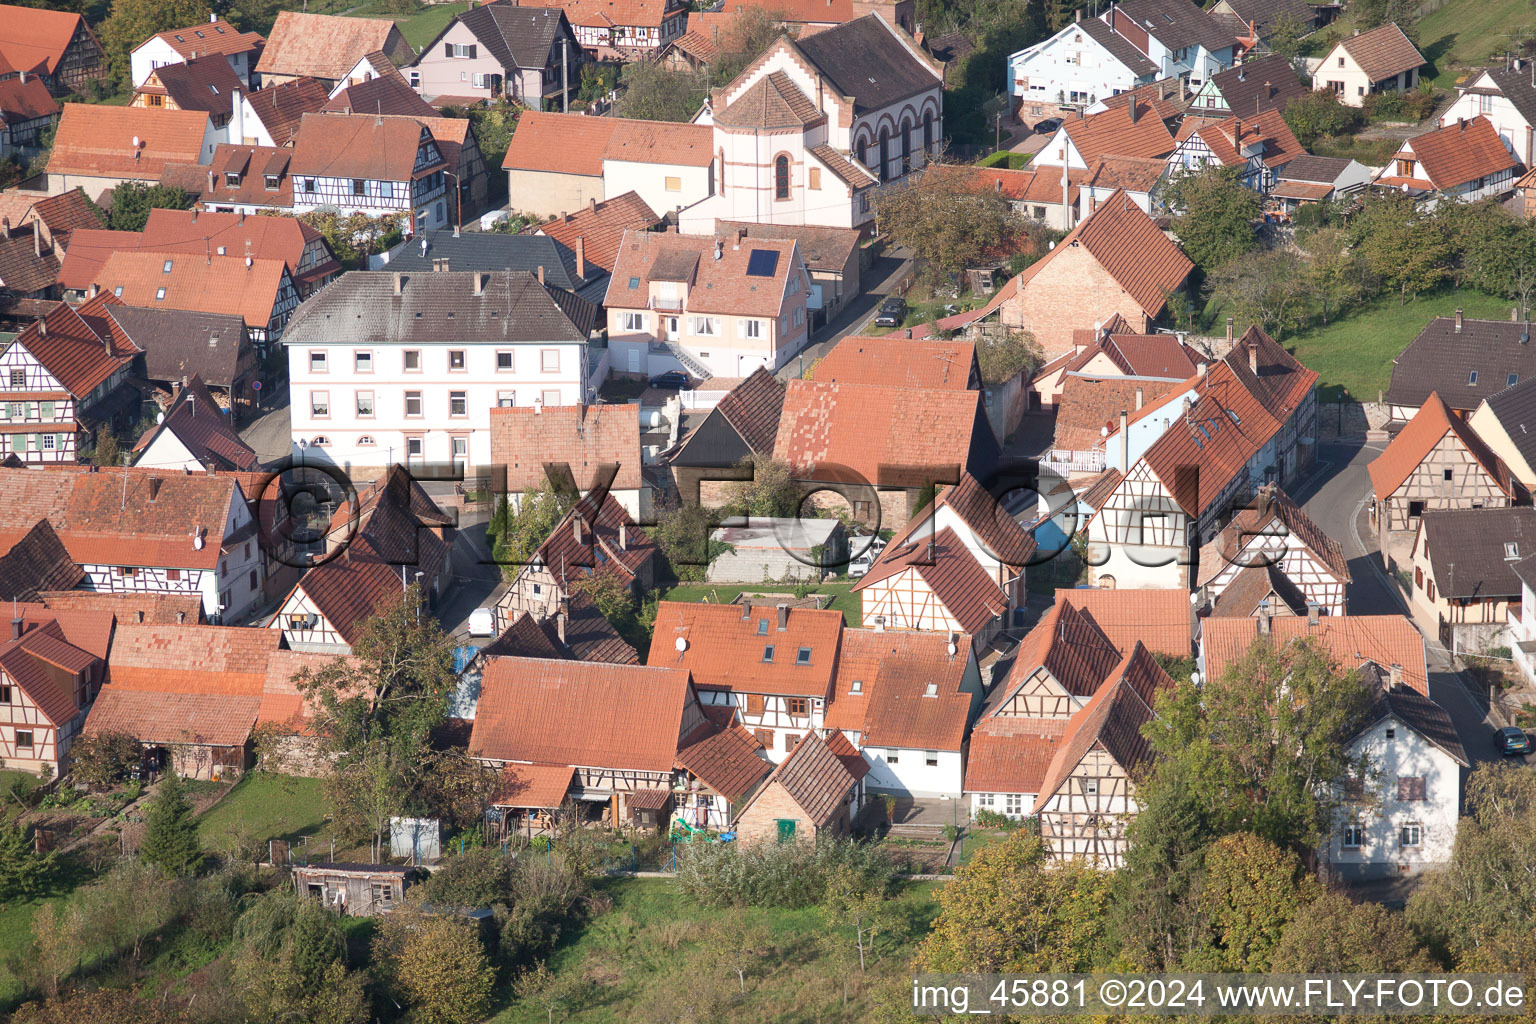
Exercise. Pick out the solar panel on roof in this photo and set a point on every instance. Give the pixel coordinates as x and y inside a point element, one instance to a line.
<point>762,263</point>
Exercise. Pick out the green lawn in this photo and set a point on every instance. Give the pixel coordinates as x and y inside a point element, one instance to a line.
<point>1466,33</point>
<point>1356,353</point>
<point>649,959</point>
<point>843,598</point>
<point>265,806</point>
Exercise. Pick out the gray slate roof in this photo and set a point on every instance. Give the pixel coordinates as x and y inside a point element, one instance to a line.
<point>516,37</point>
<point>178,343</point>
<point>1440,359</point>
<point>513,308</point>
<point>1519,89</point>
<point>1515,409</point>
<point>1177,24</point>
<point>1467,549</point>
<point>1119,47</point>
<point>1417,712</point>
<point>1243,86</point>
<point>864,60</point>
<point>490,250</point>
<point>1324,170</point>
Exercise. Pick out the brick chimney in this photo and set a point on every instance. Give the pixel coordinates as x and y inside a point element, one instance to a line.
<point>1253,357</point>
<point>1229,330</point>
<point>579,529</point>
<point>399,282</point>
<point>1264,617</point>
<point>1459,319</point>
<point>783,611</point>
<point>746,610</point>
<point>562,615</point>
<point>154,488</point>
<point>581,256</point>
<point>1312,613</point>
<point>1395,676</point>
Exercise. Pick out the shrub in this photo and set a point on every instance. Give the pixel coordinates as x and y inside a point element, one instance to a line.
<point>547,894</point>
<point>778,874</point>
<point>993,819</point>
<point>477,878</point>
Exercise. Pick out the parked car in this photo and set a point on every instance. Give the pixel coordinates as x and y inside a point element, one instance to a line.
<point>676,379</point>
<point>1511,740</point>
<point>892,312</point>
<point>1048,126</point>
<point>865,551</point>
<point>482,622</point>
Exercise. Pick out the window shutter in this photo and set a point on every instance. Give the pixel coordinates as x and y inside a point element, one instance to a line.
<point>447,49</point>
<point>474,50</point>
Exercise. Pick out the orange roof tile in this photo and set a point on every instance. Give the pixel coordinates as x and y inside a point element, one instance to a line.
<point>1414,442</point>
<point>361,145</point>
<point>661,142</point>
<point>1268,128</point>
<point>624,13</point>
<point>714,285</point>
<point>894,707</point>
<point>534,785</point>
<point>817,775</point>
<point>76,348</point>
<point>96,140</point>
<point>1460,153</point>
<point>1011,755</point>
<point>601,227</point>
<point>217,284</point>
<point>901,363</point>
<point>207,37</point>
<point>724,756</point>
<point>1112,719</point>
<point>1000,535</point>
<point>33,36</point>
<point>582,714</point>
<point>173,718</point>
<point>725,647</point>
<point>325,46</point>
<point>1126,243</point>
<point>1113,132</point>
<point>582,436</point>
<point>1159,619</point>
<point>1352,640</point>
<point>966,590</point>
<point>565,143</point>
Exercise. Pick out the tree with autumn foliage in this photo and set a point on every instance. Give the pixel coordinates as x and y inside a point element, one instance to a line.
<point>949,218</point>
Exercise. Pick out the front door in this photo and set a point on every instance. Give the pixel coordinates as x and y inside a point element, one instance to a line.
<point>671,327</point>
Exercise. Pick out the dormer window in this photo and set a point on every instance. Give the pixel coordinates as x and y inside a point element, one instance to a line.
<point>271,182</point>
<point>232,179</point>
<point>1511,549</point>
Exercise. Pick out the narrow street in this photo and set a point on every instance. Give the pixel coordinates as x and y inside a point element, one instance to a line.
<point>877,282</point>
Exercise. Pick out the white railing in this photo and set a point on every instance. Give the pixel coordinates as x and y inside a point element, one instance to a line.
<point>1065,460</point>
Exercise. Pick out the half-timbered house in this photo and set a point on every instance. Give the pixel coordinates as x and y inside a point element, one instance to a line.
<point>1436,462</point>
<point>1088,795</point>
<point>816,790</point>
<point>1272,536</point>
<point>50,672</point>
<point>61,379</point>
<point>146,531</point>
<point>373,165</point>
<point>719,766</point>
<point>905,701</point>
<point>258,289</point>
<point>775,665</point>
<point>616,728</point>
<point>1257,146</point>
<point>1253,420</point>
<point>56,44</point>
<point>1464,580</point>
<point>1466,360</point>
<point>392,536</point>
<point>591,538</point>
<point>1465,161</point>
<point>958,564</point>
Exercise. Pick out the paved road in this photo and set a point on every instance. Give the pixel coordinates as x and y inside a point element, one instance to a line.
<point>269,435</point>
<point>877,282</point>
<point>1338,501</point>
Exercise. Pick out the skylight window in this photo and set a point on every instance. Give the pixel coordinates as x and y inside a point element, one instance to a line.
<point>634,282</point>
<point>1472,378</point>
<point>803,656</point>
<point>167,268</point>
<point>762,263</point>
<point>1511,380</point>
<point>762,627</point>
<point>768,653</point>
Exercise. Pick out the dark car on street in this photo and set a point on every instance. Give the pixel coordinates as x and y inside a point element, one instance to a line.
<point>1048,126</point>
<point>892,312</point>
<point>673,379</point>
<point>1512,741</point>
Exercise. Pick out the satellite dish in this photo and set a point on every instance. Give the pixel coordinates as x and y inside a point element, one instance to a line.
<point>197,541</point>
<point>136,142</point>
<point>952,649</point>
<point>1194,677</point>
<point>247,261</point>
<point>160,417</point>
<point>681,643</point>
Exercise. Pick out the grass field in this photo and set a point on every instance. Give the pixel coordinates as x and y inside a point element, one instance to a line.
<point>263,806</point>
<point>1465,33</point>
<point>1356,353</point>
<point>419,27</point>
<point>843,598</point>
<point>649,959</point>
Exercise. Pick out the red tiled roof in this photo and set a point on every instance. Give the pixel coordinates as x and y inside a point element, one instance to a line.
<point>32,662</point>
<point>1461,152</point>
<point>601,226</point>
<point>534,785</point>
<point>622,13</point>
<point>25,101</point>
<point>1011,755</point>
<point>173,718</point>
<point>88,251</point>
<point>599,549</point>
<point>196,421</point>
<point>32,36</point>
<point>1134,174</point>
<point>580,713</point>
<point>900,363</point>
<point>753,407</point>
<point>232,234</point>
<point>1113,719</point>
<point>1352,640</point>
<point>66,213</point>
<point>774,101</point>
<point>361,145</point>
<point>96,140</point>
<point>1382,52</point>
<point>1112,132</point>
<point>564,143</point>
<point>827,430</point>
<point>966,590</point>
<point>37,562</point>
<point>1268,128</point>
<point>725,757</point>
<point>1279,517</point>
<point>848,172</point>
<point>156,609</point>
<point>76,348</point>
<point>1129,246</point>
<point>661,142</point>
<point>713,285</point>
<point>1069,644</point>
<point>1089,404</point>
<point>584,437</point>
<point>814,777</point>
<point>280,108</point>
<point>724,647</point>
<point>893,708</point>
<point>324,46</point>
<point>211,284</point>
<point>1414,442</point>
<point>211,37</point>
<point>1159,619</point>
<point>1000,535</point>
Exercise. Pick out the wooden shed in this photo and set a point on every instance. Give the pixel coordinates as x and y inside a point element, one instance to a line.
<point>361,890</point>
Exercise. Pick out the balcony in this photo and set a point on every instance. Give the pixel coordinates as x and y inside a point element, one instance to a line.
<point>667,305</point>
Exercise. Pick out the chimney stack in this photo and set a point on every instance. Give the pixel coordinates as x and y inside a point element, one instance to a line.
<point>1253,357</point>
<point>399,282</point>
<point>541,273</point>
<point>1138,398</point>
<point>181,618</point>
<point>783,611</point>
<point>562,615</point>
<point>138,616</point>
<point>154,488</point>
<point>1133,105</point>
<point>1229,330</point>
<point>1312,613</point>
<point>581,256</point>
<point>623,536</point>
<point>1458,319</point>
<point>37,239</point>
<point>578,529</point>
<point>16,624</point>
<point>746,610</point>
<point>1264,617</point>
<point>479,283</point>
<point>1395,676</point>
<point>1125,443</point>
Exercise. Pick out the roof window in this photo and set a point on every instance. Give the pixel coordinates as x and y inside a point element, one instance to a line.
<point>167,268</point>
<point>803,656</point>
<point>768,653</point>
<point>1471,378</point>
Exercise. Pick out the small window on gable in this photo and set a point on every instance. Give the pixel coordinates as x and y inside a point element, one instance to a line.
<point>768,652</point>
<point>803,656</point>
<point>1450,474</point>
<point>1472,378</point>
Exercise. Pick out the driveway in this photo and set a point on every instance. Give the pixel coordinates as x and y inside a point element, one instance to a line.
<point>880,280</point>
<point>1339,502</point>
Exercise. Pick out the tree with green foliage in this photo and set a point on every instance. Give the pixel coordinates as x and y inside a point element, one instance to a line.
<point>1476,911</point>
<point>1265,287</point>
<point>292,963</point>
<point>682,532</point>
<point>597,81</point>
<point>653,93</point>
<point>435,966</point>
<point>132,201</point>
<point>1214,215</point>
<point>857,907</point>
<point>1262,747</point>
<point>772,492</point>
<point>1010,910</point>
<point>353,237</point>
<point>170,828</point>
<point>949,219</point>
<point>519,533</point>
<point>1318,114</point>
<point>1498,250</point>
<point>750,32</point>
<point>108,452</point>
<point>1334,933</point>
<point>1285,35</point>
<point>100,759</point>
<point>133,21</point>
<point>1403,245</point>
<point>24,873</point>
<point>1003,353</point>
<point>1250,892</point>
<point>1335,274</point>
